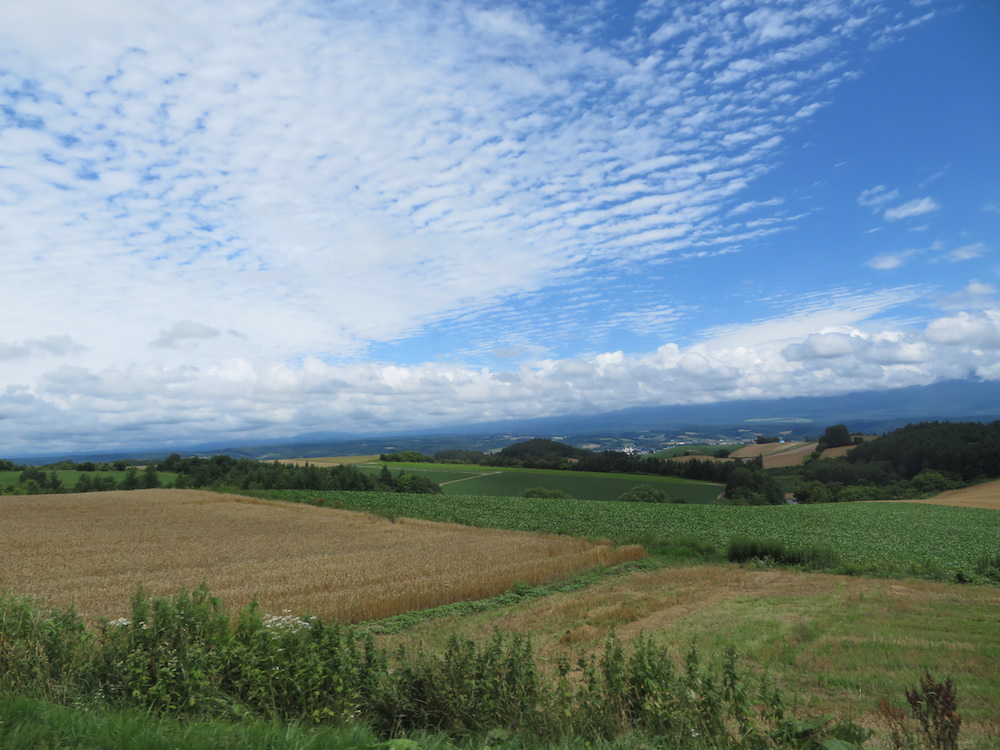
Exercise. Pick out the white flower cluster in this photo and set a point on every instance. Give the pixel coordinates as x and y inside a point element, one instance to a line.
<point>124,622</point>
<point>287,622</point>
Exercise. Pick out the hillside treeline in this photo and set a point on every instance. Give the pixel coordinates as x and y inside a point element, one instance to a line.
<point>960,450</point>
<point>913,461</point>
<point>221,473</point>
<point>225,472</point>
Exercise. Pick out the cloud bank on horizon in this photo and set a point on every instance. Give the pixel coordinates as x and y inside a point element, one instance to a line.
<point>255,219</point>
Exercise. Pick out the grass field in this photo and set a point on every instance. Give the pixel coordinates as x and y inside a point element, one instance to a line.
<point>836,643</point>
<point>703,451</point>
<point>96,548</point>
<point>467,479</point>
<point>888,535</point>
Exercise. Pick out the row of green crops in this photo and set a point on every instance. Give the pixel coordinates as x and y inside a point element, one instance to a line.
<point>863,534</point>
<point>461,479</point>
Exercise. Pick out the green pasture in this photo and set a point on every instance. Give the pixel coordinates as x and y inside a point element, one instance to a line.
<point>69,478</point>
<point>701,450</point>
<point>899,536</point>
<point>467,479</point>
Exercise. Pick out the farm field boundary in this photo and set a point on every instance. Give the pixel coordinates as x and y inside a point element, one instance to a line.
<point>94,549</point>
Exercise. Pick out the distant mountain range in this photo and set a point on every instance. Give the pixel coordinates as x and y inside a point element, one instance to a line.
<point>802,417</point>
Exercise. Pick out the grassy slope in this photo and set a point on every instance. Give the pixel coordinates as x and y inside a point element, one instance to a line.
<point>837,643</point>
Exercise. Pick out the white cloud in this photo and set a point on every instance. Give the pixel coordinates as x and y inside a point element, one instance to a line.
<point>57,346</point>
<point>981,330</point>
<point>751,205</point>
<point>150,404</point>
<point>968,252</point>
<point>976,295</point>
<point>823,346</point>
<point>889,261</point>
<point>916,207</point>
<point>183,330</point>
<point>877,197</point>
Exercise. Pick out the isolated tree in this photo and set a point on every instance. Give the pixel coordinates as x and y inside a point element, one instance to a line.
<point>546,493</point>
<point>53,483</point>
<point>836,436</point>
<point>131,480</point>
<point>150,479</point>
<point>385,479</point>
<point>418,484</point>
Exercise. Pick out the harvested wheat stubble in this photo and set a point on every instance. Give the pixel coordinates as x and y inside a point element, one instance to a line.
<point>985,495</point>
<point>95,549</point>
<point>776,455</point>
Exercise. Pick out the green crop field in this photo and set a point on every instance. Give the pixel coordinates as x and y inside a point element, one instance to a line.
<point>467,479</point>
<point>865,534</point>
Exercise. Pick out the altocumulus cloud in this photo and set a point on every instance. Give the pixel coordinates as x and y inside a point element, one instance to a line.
<point>236,217</point>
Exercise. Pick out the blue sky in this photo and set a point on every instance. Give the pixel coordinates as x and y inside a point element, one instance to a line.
<point>239,220</point>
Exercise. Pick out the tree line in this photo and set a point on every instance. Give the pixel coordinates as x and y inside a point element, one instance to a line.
<point>222,473</point>
<point>914,461</point>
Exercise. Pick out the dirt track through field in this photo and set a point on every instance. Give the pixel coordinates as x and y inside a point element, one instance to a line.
<point>94,549</point>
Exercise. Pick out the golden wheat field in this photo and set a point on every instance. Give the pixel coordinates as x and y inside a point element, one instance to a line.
<point>985,495</point>
<point>95,549</point>
<point>329,460</point>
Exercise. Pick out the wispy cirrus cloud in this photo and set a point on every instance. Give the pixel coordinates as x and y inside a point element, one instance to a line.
<point>889,261</point>
<point>916,207</point>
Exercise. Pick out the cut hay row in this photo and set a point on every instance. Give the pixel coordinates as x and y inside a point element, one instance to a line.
<point>95,549</point>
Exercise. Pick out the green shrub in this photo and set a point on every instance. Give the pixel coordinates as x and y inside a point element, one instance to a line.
<point>814,557</point>
<point>545,492</point>
<point>743,549</point>
<point>644,493</point>
<point>989,566</point>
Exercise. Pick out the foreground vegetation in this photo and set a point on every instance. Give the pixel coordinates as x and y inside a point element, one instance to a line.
<point>189,657</point>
